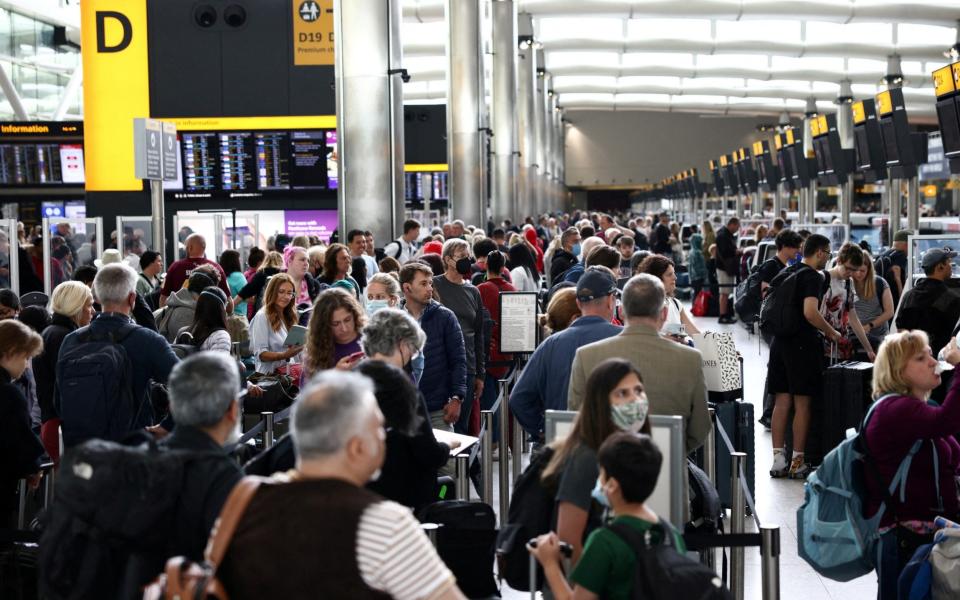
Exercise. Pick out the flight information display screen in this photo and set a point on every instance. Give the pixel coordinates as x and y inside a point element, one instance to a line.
<point>41,165</point>
<point>257,163</point>
<point>415,190</point>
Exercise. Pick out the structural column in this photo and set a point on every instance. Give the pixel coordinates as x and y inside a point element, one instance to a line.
<point>465,145</point>
<point>545,114</point>
<point>503,200</point>
<point>845,130</point>
<point>554,144</point>
<point>808,214</point>
<point>539,159</point>
<point>526,104</point>
<point>369,116</point>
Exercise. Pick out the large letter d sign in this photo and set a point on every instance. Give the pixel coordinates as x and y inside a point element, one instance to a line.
<point>124,22</point>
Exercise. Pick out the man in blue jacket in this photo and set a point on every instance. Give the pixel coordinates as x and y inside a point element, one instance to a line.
<point>444,378</point>
<point>543,383</point>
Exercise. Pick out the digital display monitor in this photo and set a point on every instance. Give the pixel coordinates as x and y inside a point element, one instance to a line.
<point>257,163</point>
<point>415,192</point>
<point>868,144</point>
<point>949,118</point>
<point>41,154</point>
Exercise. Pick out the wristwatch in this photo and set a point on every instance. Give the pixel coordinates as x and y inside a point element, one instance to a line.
<point>457,398</point>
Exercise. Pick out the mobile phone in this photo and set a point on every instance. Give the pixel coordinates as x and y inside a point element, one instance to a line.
<point>355,356</point>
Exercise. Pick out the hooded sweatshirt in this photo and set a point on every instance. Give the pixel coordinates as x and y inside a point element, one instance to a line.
<point>696,262</point>
<point>177,314</point>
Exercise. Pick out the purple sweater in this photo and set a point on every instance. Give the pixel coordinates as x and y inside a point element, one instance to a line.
<point>895,425</point>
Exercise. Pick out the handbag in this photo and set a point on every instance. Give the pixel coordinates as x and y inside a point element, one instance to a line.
<point>279,392</point>
<point>721,362</point>
<point>182,578</point>
<point>701,304</point>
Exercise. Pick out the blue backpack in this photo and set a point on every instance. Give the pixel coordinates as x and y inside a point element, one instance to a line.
<point>95,380</point>
<point>833,536</point>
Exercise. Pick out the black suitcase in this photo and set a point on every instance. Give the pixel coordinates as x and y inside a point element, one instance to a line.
<point>847,394</point>
<point>466,542</point>
<point>737,420</point>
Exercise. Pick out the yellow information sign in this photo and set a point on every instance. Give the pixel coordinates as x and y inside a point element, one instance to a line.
<point>777,142</point>
<point>822,123</point>
<point>116,89</point>
<point>956,75</point>
<point>884,103</point>
<point>723,160</point>
<point>713,165</point>
<point>943,82</point>
<point>859,115</point>
<point>815,127</point>
<point>790,138</point>
<point>312,32</point>
<point>757,148</point>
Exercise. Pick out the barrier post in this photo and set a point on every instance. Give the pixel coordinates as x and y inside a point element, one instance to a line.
<point>267,429</point>
<point>22,505</point>
<point>504,466</point>
<point>518,440</point>
<point>431,530</point>
<point>49,480</point>
<point>463,476</point>
<point>486,455</point>
<point>708,556</point>
<point>770,561</point>
<point>737,510</point>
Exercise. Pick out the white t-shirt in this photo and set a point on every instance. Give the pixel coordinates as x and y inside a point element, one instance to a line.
<point>264,338</point>
<point>395,556</point>
<point>674,312</point>
<point>522,281</point>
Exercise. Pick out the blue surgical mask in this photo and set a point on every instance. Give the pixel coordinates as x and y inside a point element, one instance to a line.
<point>576,249</point>
<point>375,305</point>
<point>416,366</point>
<point>599,495</point>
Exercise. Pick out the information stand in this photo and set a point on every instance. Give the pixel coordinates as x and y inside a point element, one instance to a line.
<point>518,322</point>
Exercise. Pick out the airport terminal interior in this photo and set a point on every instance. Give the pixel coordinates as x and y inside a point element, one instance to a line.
<point>445,299</point>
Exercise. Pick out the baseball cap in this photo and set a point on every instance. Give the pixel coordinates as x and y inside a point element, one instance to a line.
<point>902,235</point>
<point>595,283</point>
<point>935,256</point>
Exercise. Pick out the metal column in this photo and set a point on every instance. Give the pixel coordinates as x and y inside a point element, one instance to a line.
<point>539,158</point>
<point>369,116</point>
<point>913,204</point>
<point>546,167</point>
<point>503,200</point>
<point>894,206</point>
<point>526,112</point>
<point>770,561</point>
<point>737,510</point>
<point>465,92</point>
<point>845,130</point>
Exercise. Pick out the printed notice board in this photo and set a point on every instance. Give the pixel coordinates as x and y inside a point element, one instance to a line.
<point>518,322</point>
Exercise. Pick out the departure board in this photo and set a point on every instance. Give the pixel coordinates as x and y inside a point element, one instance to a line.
<point>200,169</point>
<point>414,186</point>
<point>30,164</point>
<point>258,163</point>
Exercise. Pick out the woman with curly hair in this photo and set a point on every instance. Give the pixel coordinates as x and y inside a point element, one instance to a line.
<point>333,335</point>
<point>268,330</point>
<point>337,264</point>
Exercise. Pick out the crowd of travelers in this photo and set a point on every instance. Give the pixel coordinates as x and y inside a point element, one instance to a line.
<point>377,353</point>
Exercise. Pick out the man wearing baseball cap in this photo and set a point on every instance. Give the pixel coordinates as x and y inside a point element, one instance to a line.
<point>543,382</point>
<point>931,307</point>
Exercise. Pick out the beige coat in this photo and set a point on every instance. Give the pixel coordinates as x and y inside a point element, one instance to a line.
<point>672,376</point>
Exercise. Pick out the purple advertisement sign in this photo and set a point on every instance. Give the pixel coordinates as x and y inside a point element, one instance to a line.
<point>332,160</point>
<point>320,223</point>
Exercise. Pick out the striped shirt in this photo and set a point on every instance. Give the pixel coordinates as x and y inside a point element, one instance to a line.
<point>394,556</point>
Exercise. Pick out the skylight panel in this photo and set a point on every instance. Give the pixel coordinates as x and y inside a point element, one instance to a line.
<point>567,28</point>
<point>758,30</point>
<point>822,32</point>
<point>582,59</point>
<point>658,59</point>
<point>681,29</point>
<point>731,61</point>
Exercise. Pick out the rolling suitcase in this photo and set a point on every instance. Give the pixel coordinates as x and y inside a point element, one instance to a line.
<point>466,542</point>
<point>737,421</point>
<point>847,394</point>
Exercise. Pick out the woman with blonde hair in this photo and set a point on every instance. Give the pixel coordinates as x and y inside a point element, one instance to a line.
<point>874,304</point>
<point>268,330</point>
<point>333,335</point>
<point>71,304</point>
<point>903,426</point>
<point>383,291</point>
<point>561,311</point>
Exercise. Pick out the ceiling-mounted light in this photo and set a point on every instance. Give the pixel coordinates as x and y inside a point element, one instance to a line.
<point>894,77</point>
<point>525,42</point>
<point>953,52</point>
<point>550,93</point>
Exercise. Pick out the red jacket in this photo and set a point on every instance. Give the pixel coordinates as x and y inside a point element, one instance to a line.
<point>490,295</point>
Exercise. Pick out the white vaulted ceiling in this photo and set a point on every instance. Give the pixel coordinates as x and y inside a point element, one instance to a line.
<point>728,56</point>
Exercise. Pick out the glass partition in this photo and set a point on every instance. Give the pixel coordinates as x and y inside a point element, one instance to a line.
<point>9,271</point>
<point>918,244</point>
<point>221,231</point>
<point>67,245</point>
<point>134,237</point>
<point>837,233</point>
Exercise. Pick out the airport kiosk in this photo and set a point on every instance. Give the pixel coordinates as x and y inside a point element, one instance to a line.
<point>904,151</point>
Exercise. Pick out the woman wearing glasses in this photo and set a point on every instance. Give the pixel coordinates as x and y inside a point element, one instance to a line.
<point>268,330</point>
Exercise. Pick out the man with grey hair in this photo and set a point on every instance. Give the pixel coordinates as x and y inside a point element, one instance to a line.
<point>348,541</point>
<point>204,401</point>
<point>672,373</point>
<point>146,356</point>
<point>392,336</point>
<point>454,290</point>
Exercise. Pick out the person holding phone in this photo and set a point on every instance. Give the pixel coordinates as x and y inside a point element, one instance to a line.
<point>333,334</point>
<point>268,330</point>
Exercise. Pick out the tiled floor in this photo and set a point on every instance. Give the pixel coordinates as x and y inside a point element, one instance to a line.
<point>777,501</point>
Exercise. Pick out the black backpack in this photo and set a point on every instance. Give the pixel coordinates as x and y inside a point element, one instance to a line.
<point>780,313</point>
<point>530,515</point>
<point>663,573</point>
<point>107,532</point>
<point>465,543</point>
<point>95,379</point>
<point>747,298</point>
<point>705,510</point>
<point>883,266</point>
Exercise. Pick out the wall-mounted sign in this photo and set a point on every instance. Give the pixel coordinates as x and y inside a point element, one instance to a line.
<point>312,32</point>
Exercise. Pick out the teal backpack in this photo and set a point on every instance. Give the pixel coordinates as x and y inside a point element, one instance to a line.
<point>833,536</point>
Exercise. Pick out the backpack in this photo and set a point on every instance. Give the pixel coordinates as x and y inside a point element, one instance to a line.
<point>705,510</point>
<point>746,296</point>
<point>662,572</point>
<point>95,379</point>
<point>530,514</point>
<point>399,249</point>
<point>833,536</point>
<point>780,314</point>
<point>107,532</point>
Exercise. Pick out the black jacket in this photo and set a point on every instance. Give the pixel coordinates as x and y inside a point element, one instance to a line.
<point>727,252</point>
<point>45,364</point>
<point>207,481</point>
<point>560,264</point>
<point>258,284</point>
<point>931,307</point>
<point>20,448</point>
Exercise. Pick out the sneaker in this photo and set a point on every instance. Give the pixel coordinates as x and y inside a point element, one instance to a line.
<point>780,466</point>
<point>765,421</point>
<point>799,469</point>
<point>496,454</point>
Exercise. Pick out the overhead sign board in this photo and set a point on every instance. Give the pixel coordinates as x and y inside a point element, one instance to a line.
<point>170,152</point>
<point>155,150</point>
<point>312,32</point>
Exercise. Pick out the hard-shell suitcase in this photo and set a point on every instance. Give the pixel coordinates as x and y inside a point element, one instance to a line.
<point>737,421</point>
<point>847,394</point>
<point>466,542</point>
